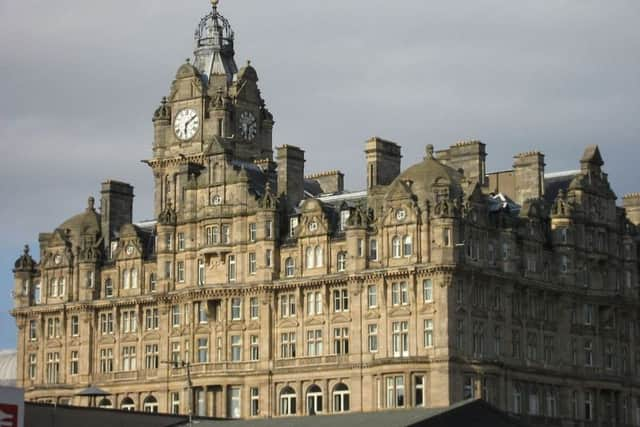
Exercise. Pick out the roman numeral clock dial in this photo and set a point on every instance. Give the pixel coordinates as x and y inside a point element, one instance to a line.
<point>248,126</point>
<point>186,124</point>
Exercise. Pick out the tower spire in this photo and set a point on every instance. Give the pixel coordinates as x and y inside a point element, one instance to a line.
<point>214,46</point>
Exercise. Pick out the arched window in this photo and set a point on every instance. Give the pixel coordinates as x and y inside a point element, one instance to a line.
<point>408,246</point>
<point>134,278</point>
<point>314,400</point>
<point>319,256</point>
<point>150,404</point>
<point>289,267</point>
<point>127,404</point>
<point>309,257</point>
<point>396,247</point>
<point>105,404</point>
<point>341,398</point>
<point>287,401</point>
<point>342,261</point>
<point>108,288</point>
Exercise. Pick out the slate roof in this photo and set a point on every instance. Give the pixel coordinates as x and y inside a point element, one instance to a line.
<point>8,367</point>
<point>44,415</point>
<point>476,413</point>
<point>554,182</point>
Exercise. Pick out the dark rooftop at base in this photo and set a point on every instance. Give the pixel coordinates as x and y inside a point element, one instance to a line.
<point>476,413</point>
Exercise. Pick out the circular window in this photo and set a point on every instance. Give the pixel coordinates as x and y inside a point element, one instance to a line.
<point>401,214</point>
<point>216,200</point>
<point>313,226</point>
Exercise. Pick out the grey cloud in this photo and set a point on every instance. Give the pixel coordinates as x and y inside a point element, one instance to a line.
<point>79,81</point>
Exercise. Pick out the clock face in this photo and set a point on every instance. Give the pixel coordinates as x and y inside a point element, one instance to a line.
<point>313,226</point>
<point>248,126</point>
<point>57,259</point>
<point>401,214</point>
<point>129,250</point>
<point>186,124</point>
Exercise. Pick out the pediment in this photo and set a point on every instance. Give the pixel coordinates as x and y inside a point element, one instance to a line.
<point>151,336</point>
<point>129,338</point>
<point>202,330</point>
<point>124,245</point>
<point>307,230</point>
<point>429,308</point>
<point>399,312</point>
<point>106,339</point>
<point>391,215</point>
<point>311,206</point>
<point>288,323</point>
<point>236,326</point>
<point>400,191</point>
<point>315,321</point>
<point>373,315</point>
<point>340,318</point>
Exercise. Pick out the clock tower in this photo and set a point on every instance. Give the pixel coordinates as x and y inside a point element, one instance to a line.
<point>213,107</point>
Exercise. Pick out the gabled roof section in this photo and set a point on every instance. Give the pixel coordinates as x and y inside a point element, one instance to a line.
<point>554,182</point>
<point>592,156</point>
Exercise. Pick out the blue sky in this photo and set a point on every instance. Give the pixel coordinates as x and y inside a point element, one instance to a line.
<point>80,81</point>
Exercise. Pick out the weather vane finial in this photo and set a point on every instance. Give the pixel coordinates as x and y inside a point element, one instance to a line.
<point>214,3</point>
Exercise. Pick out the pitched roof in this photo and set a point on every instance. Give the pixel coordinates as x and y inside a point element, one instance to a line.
<point>476,413</point>
<point>44,415</point>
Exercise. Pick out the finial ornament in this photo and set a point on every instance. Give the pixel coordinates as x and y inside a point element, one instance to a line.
<point>214,3</point>
<point>26,250</point>
<point>91,204</point>
<point>429,151</point>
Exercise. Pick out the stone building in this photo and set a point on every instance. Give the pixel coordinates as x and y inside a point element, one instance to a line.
<point>258,291</point>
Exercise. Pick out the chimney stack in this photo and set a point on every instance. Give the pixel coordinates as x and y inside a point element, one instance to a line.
<point>383,162</point>
<point>470,156</point>
<point>329,182</point>
<point>528,171</point>
<point>291,174</point>
<point>116,209</point>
